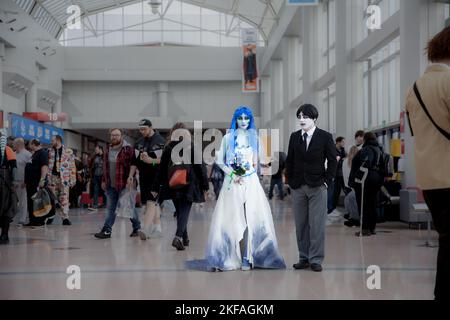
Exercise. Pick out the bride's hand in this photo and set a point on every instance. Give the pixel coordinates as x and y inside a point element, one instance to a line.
<point>238,180</point>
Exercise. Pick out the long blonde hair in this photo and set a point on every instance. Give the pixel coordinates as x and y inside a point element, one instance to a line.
<point>351,154</point>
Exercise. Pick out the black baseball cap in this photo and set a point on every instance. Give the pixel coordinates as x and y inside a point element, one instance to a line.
<point>145,123</point>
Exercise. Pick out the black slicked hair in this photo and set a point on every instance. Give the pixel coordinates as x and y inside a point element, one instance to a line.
<point>308,110</point>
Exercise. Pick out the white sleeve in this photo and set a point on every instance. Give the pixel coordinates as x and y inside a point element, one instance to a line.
<point>221,155</point>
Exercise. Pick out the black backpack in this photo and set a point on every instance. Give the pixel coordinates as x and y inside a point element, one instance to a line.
<point>383,163</point>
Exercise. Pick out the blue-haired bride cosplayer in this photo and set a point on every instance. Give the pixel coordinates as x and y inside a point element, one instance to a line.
<point>242,234</point>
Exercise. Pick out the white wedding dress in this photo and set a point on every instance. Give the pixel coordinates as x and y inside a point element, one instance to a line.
<point>242,212</point>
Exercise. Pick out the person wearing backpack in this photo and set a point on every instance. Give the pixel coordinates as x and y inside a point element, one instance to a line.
<point>428,109</point>
<point>370,157</point>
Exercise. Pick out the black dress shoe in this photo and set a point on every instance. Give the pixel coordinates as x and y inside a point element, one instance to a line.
<point>186,242</point>
<point>352,223</point>
<point>301,265</point>
<point>316,267</point>
<point>34,224</point>
<point>66,222</point>
<point>365,233</point>
<point>103,235</point>
<point>4,239</point>
<point>134,234</point>
<point>178,244</point>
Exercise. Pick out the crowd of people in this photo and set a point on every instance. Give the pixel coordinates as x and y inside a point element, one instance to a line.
<point>146,165</point>
<point>317,169</point>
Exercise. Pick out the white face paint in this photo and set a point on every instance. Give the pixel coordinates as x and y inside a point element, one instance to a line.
<point>306,123</point>
<point>243,121</point>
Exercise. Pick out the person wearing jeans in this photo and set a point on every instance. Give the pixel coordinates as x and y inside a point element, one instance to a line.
<point>117,162</point>
<point>96,174</point>
<point>182,197</point>
<point>183,207</point>
<point>112,196</point>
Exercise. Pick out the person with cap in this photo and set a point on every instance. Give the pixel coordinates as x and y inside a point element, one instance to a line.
<point>309,149</point>
<point>148,151</point>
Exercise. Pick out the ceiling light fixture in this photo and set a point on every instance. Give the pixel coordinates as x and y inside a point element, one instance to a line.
<point>155,5</point>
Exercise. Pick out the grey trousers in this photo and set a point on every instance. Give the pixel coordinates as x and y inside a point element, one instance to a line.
<point>310,211</point>
<point>22,206</point>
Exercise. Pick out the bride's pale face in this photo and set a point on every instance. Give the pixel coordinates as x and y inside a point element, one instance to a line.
<point>243,121</point>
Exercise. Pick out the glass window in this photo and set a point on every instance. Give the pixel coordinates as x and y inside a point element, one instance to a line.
<point>132,16</point>
<point>326,36</point>
<point>178,23</point>
<point>382,86</point>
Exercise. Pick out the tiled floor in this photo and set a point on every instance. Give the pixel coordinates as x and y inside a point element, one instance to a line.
<point>34,265</point>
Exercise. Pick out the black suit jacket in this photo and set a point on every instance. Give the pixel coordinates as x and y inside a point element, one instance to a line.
<point>309,168</point>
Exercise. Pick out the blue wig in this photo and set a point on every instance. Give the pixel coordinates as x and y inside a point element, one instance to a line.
<point>253,137</point>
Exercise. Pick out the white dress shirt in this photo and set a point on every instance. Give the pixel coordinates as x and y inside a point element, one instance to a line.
<point>310,134</point>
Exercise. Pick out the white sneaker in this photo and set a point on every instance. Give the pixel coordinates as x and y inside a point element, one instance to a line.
<point>330,221</point>
<point>335,213</point>
<point>156,231</point>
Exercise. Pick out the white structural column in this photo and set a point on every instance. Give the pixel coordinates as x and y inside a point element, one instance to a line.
<point>265,101</point>
<point>163,104</point>
<point>2,51</point>
<point>290,49</point>
<point>310,53</point>
<point>31,99</point>
<point>412,43</point>
<point>343,67</point>
<point>276,90</point>
<point>58,109</point>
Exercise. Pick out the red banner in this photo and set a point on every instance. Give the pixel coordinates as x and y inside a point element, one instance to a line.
<point>1,119</point>
<point>46,117</point>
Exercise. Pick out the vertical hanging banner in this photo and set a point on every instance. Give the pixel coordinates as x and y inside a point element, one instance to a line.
<point>250,79</point>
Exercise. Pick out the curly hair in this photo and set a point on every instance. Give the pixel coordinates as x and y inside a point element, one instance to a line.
<point>438,48</point>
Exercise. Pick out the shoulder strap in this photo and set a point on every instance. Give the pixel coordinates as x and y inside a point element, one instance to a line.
<point>419,97</point>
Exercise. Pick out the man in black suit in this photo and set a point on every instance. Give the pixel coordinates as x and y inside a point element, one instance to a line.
<point>309,149</point>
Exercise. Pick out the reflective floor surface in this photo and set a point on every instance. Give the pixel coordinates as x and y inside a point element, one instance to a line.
<point>34,265</point>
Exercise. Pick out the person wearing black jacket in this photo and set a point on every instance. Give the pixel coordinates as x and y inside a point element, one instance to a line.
<point>368,157</point>
<point>339,183</point>
<point>148,150</point>
<point>185,196</point>
<point>35,178</point>
<point>309,149</point>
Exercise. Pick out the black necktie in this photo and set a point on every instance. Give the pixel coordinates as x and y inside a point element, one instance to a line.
<point>305,145</point>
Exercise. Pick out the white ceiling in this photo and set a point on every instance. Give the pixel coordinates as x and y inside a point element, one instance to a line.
<point>262,14</point>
